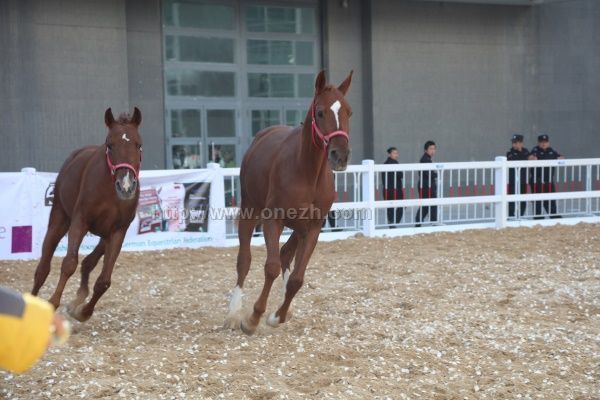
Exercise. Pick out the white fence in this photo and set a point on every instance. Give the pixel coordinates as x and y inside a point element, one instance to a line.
<point>194,208</point>
<point>469,195</point>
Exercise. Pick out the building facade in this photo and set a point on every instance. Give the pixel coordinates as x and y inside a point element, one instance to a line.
<point>208,75</point>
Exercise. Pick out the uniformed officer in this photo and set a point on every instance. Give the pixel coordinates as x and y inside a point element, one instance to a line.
<point>427,185</point>
<point>543,177</point>
<point>517,153</point>
<point>392,185</point>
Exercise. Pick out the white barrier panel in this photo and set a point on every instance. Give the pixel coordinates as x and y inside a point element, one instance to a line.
<point>173,211</point>
<point>194,208</point>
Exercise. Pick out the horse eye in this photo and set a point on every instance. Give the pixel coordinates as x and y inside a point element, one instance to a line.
<point>320,113</point>
<point>139,146</point>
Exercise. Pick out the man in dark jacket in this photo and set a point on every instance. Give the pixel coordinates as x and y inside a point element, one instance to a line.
<point>392,187</point>
<point>427,185</point>
<point>517,153</point>
<point>543,177</point>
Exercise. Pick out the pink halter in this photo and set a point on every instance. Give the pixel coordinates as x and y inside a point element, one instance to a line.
<point>113,168</point>
<point>316,132</point>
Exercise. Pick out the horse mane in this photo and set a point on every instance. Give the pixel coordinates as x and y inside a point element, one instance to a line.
<point>124,118</point>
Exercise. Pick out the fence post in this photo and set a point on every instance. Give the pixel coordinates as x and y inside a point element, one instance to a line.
<point>500,189</point>
<point>368,196</point>
<point>217,226</point>
<point>588,188</point>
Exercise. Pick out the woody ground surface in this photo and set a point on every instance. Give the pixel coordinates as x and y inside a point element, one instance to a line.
<point>480,314</point>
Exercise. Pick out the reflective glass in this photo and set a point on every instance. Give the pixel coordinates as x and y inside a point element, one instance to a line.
<point>220,123</point>
<point>197,15</point>
<point>200,83</point>
<point>186,156</point>
<point>200,49</point>
<point>185,123</point>
<point>264,118</point>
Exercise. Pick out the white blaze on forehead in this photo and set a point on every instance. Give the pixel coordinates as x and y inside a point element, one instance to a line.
<point>126,181</point>
<point>124,137</point>
<point>335,107</point>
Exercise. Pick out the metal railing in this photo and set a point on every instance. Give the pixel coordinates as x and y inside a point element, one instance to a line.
<point>373,197</point>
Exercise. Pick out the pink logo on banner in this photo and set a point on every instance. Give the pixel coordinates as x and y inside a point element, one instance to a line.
<point>21,239</point>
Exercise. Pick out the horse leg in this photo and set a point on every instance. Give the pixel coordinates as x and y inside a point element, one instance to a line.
<point>69,264</point>
<point>272,231</point>
<point>245,229</point>
<point>306,247</point>
<point>287,255</point>
<point>58,225</point>
<point>87,266</point>
<point>113,244</point>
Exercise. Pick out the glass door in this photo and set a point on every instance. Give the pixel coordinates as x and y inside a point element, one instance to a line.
<point>184,138</point>
<point>232,68</point>
<point>201,135</point>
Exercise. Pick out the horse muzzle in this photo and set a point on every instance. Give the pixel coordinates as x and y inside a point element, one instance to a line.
<point>126,184</point>
<point>338,159</point>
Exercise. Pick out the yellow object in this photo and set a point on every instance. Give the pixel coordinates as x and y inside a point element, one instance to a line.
<point>25,323</point>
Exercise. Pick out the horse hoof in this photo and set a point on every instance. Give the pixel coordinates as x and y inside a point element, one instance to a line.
<point>75,313</point>
<point>246,329</point>
<point>232,322</point>
<point>273,320</point>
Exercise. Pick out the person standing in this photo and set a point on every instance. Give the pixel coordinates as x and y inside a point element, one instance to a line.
<point>427,185</point>
<point>543,177</point>
<point>392,187</point>
<point>517,153</point>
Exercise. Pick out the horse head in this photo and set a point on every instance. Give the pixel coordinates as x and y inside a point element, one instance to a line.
<point>124,152</point>
<point>331,120</point>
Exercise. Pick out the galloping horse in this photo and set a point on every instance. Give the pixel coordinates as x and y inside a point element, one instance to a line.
<point>96,191</point>
<point>286,180</point>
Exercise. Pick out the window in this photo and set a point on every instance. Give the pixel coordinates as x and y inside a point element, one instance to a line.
<point>185,123</point>
<point>199,49</point>
<point>231,69</point>
<point>264,118</point>
<point>280,19</point>
<point>279,52</point>
<point>220,123</point>
<point>190,14</point>
<point>200,83</point>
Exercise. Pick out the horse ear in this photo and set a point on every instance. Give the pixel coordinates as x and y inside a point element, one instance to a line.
<point>136,119</point>
<point>320,82</point>
<point>108,117</point>
<point>344,86</point>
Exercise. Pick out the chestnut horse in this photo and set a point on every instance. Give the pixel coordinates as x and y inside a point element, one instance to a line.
<point>286,180</point>
<point>96,191</point>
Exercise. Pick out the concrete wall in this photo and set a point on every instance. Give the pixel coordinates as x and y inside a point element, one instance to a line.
<point>464,75</point>
<point>343,51</point>
<point>567,107</point>
<point>468,76</point>
<point>145,76</point>
<point>65,62</point>
<point>453,73</point>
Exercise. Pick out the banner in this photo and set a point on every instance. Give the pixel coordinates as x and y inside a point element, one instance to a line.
<point>173,211</point>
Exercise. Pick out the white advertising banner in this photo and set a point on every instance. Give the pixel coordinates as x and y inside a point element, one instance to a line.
<point>173,211</point>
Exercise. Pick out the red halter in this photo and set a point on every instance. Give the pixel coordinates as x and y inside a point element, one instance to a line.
<point>316,132</point>
<point>113,168</point>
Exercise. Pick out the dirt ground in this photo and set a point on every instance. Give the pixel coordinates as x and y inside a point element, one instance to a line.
<point>481,314</point>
